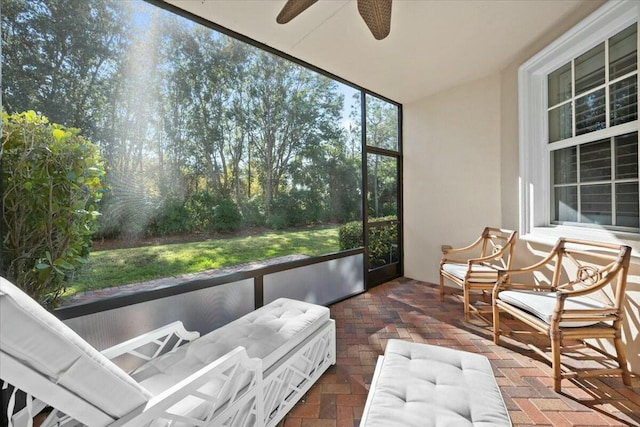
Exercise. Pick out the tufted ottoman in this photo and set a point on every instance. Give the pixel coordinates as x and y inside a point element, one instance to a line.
<point>425,385</point>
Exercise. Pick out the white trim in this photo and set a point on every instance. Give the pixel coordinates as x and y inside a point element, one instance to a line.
<point>611,18</point>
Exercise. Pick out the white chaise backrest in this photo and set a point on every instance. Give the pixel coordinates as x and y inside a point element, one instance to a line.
<point>42,343</point>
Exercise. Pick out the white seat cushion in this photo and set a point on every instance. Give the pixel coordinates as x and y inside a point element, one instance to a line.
<point>542,304</point>
<point>424,385</point>
<point>460,271</point>
<point>35,337</point>
<point>268,333</point>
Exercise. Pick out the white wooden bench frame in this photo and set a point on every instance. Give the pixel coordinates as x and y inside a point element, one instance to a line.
<point>263,400</point>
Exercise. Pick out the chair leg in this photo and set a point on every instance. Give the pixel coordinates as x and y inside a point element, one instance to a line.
<point>467,301</point>
<point>496,324</point>
<point>441,287</point>
<point>555,361</point>
<point>484,296</point>
<point>622,361</point>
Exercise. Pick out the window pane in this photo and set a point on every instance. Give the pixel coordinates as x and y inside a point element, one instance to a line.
<point>201,135</point>
<point>590,112</point>
<point>595,161</point>
<point>382,123</point>
<point>559,85</point>
<point>590,69</point>
<point>565,166</point>
<point>623,52</point>
<point>382,185</point>
<point>627,156</point>
<point>560,123</point>
<point>627,212</point>
<point>595,204</point>
<point>383,245</point>
<point>566,204</point>
<point>624,101</point>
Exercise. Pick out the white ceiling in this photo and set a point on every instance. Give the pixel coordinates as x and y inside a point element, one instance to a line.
<point>433,45</point>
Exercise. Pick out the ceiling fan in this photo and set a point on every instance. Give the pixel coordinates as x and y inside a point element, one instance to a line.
<point>375,13</point>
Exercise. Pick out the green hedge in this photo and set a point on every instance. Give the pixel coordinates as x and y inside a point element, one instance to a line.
<point>53,181</point>
<point>381,240</point>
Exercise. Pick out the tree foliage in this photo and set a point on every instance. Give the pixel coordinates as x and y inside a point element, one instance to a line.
<point>52,182</point>
<point>199,132</point>
<point>59,58</point>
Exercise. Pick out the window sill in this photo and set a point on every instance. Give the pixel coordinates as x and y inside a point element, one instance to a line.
<point>550,235</point>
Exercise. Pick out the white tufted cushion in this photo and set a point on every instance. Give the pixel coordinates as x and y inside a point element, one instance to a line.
<point>460,271</point>
<point>423,385</point>
<point>542,304</point>
<point>268,333</point>
<point>32,335</point>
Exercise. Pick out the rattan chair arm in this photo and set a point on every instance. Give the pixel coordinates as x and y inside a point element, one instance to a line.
<point>464,249</point>
<point>530,268</point>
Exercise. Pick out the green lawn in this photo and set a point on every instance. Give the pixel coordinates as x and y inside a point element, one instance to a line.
<point>118,267</point>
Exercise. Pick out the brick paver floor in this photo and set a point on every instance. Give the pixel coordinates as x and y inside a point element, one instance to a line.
<point>411,310</point>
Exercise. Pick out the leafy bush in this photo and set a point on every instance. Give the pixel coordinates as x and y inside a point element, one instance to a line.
<point>226,216</point>
<point>277,222</point>
<point>383,244</point>
<point>381,240</point>
<point>171,217</point>
<point>253,212</point>
<point>52,181</point>
<point>312,206</point>
<point>286,211</point>
<point>126,208</point>
<point>350,235</point>
<point>298,207</point>
<point>201,208</point>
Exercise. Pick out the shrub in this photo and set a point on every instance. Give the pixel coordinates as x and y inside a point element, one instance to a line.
<point>299,207</point>
<point>226,216</point>
<point>350,235</point>
<point>277,221</point>
<point>381,240</point>
<point>312,206</point>
<point>253,212</point>
<point>383,244</point>
<point>171,217</point>
<point>285,211</point>
<point>201,208</point>
<point>52,182</point>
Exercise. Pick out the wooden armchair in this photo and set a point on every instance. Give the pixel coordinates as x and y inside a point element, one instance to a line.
<point>576,303</point>
<point>475,267</point>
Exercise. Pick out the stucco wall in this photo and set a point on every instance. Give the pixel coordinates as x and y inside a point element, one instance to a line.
<point>452,171</point>
<point>462,168</point>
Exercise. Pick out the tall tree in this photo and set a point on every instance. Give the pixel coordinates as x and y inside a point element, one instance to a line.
<point>290,107</point>
<point>204,78</point>
<point>134,125</point>
<point>58,57</point>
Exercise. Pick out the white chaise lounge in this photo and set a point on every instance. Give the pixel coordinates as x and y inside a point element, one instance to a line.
<point>248,373</point>
<point>422,385</point>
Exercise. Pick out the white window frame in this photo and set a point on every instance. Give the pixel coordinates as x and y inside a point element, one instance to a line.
<point>535,178</point>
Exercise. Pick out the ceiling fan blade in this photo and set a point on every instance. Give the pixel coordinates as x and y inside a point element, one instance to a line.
<point>377,16</point>
<point>292,9</point>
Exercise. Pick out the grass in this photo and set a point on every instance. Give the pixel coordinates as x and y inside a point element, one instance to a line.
<point>117,267</point>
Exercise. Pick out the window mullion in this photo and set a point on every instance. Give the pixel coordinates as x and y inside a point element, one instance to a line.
<point>607,86</point>
<point>579,186</point>
<point>613,178</point>
<point>573,98</point>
